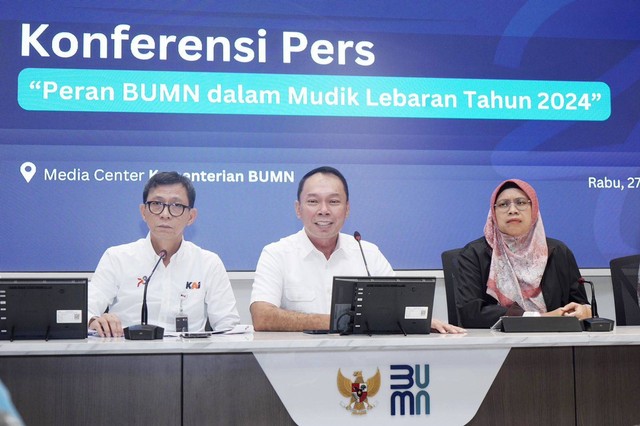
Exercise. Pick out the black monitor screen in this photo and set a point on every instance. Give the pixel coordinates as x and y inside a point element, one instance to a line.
<point>382,305</point>
<point>32,309</point>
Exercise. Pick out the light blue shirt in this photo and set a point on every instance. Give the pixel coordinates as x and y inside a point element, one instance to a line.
<point>8,414</point>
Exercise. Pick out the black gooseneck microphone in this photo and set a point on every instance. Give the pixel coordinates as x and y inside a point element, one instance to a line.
<point>358,237</point>
<point>145,331</point>
<point>595,323</point>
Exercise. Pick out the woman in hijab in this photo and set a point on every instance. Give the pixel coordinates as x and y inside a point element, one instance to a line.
<point>515,269</point>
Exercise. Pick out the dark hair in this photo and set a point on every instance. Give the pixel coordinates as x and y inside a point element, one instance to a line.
<point>170,178</point>
<point>325,170</point>
<point>507,185</point>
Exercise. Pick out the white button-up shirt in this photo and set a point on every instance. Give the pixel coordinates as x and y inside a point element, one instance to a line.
<point>293,275</point>
<point>194,279</point>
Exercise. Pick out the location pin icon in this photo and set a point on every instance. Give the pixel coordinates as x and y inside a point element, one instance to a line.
<point>28,170</point>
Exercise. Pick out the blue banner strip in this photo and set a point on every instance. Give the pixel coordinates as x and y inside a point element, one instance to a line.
<point>88,90</point>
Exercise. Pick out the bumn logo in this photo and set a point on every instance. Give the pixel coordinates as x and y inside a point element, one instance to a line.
<point>410,389</point>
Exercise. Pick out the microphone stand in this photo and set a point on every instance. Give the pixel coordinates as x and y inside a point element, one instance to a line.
<point>145,331</point>
<point>595,323</point>
<point>358,237</point>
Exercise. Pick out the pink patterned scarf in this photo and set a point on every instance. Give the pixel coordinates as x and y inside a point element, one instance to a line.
<point>517,264</point>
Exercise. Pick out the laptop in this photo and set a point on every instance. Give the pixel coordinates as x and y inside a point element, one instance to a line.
<point>382,305</point>
<point>43,309</point>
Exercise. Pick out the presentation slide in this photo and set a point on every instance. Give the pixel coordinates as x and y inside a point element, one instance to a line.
<point>424,106</point>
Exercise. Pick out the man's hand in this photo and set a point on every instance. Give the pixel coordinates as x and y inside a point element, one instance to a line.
<point>107,325</point>
<point>445,328</point>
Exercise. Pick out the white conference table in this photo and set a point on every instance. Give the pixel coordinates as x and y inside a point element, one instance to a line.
<point>482,377</point>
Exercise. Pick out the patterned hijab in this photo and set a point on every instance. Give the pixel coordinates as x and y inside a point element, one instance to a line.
<point>517,263</point>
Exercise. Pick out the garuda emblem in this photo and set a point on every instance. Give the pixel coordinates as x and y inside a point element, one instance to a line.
<point>359,391</point>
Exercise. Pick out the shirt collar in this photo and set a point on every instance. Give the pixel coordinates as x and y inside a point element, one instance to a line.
<point>308,247</point>
<point>154,255</point>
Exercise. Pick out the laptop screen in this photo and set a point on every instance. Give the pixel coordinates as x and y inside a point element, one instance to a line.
<point>32,309</point>
<point>382,305</point>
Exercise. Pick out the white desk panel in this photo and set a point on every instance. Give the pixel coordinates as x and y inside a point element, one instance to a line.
<point>278,342</point>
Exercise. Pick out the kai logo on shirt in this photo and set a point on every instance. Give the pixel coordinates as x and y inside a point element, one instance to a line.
<point>141,281</point>
<point>193,285</point>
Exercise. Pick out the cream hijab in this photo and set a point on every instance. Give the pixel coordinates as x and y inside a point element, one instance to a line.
<point>517,264</point>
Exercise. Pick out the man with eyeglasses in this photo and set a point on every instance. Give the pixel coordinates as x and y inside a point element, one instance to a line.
<point>189,281</point>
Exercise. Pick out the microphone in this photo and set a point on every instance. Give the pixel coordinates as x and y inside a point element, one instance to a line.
<point>358,237</point>
<point>595,323</point>
<point>144,331</point>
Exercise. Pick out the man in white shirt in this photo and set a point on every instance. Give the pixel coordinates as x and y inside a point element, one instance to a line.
<point>293,279</point>
<point>188,281</point>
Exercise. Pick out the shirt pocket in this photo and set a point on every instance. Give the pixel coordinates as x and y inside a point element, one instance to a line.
<point>299,294</point>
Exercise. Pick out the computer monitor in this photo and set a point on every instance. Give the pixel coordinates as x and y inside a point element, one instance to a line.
<point>52,308</point>
<point>382,305</point>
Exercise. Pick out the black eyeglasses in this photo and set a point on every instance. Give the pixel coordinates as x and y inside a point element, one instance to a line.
<point>520,203</point>
<point>175,209</point>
